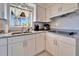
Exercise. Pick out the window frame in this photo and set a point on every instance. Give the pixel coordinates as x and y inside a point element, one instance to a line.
<point>32,11</point>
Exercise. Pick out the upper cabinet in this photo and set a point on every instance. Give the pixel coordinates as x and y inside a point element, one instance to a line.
<point>43,13</point>
<point>40,14</point>
<point>69,7</point>
<point>3,46</point>
<point>54,10</point>
<point>48,14</point>
<point>63,8</point>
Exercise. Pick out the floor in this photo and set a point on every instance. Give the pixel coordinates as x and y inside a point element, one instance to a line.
<point>44,54</point>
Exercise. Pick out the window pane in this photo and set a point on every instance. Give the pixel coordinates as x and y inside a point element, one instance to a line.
<point>19,21</point>
<point>12,16</point>
<point>23,21</point>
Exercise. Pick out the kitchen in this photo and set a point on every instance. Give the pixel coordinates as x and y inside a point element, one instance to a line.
<point>39,29</point>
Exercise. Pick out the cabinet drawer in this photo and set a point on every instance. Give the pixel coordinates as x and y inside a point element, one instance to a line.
<point>64,39</point>
<point>19,38</point>
<point>66,49</point>
<point>15,39</point>
<point>3,41</point>
<point>70,41</point>
<point>28,37</point>
<point>40,35</point>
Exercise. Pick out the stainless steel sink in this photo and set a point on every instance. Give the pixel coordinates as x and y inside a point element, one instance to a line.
<point>19,33</point>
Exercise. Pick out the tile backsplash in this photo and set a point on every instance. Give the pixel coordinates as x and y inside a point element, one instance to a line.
<point>69,22</point>
<point>41,24</point>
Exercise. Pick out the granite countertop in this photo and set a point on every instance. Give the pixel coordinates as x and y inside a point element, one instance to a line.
<point>66,34</point>
<point>35,32</point>
<point>13,35</point>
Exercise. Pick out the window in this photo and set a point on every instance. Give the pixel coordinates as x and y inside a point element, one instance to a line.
<point>20,17</point>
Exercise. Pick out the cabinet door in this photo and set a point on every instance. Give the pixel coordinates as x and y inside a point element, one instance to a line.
<point>48,14</point>
<point>68,6</point>
<point>52,44</point>
<point>29,47</point>
<point>3,50</point>
<point>3,46</point>
<point>66,50</point>
<point>50,47</point>
<point>16,49</point>
<point>55,10</point>
<point>40,14</point>
<point>40,42</point>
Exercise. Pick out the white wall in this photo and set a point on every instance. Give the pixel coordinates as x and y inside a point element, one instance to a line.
<point>70,22</point>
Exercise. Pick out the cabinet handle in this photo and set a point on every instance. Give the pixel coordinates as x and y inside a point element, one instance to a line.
<point>54,42</point>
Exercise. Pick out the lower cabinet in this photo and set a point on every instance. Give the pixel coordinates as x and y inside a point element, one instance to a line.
<point>15,46</point>
<point>51,44</point>
<point>16,49</point>
<point>3,46</point>
<point>3,50</point>
<point>34,45</point>
<point>60,46</point>
<point>29,47</point>
<point>66,50</point>
<point>40,42</point>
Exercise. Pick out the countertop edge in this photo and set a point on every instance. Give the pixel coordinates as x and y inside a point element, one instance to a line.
<point>9,35</point>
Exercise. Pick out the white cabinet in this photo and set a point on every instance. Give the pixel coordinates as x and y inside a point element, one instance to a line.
<point>34,44</point>
<point>55,10</point>
<point>3,46</point>
<point>16,49</point>
<point>66,49</point>
<point>40,42</point>
<point>3,50</point>
<point>51,44</point>
<point>48,14</point>
<point>59,45</point>
<point>69,7</point>
<point>21,45</point>
<point>63,8</point>
<point>15,46</point>
<point>29,46</point>
<point>40,14</point>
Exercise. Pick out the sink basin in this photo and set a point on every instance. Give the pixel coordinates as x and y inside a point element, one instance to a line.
<point>26,32</point>
<point>19,33</point>
<point>16,33</point>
